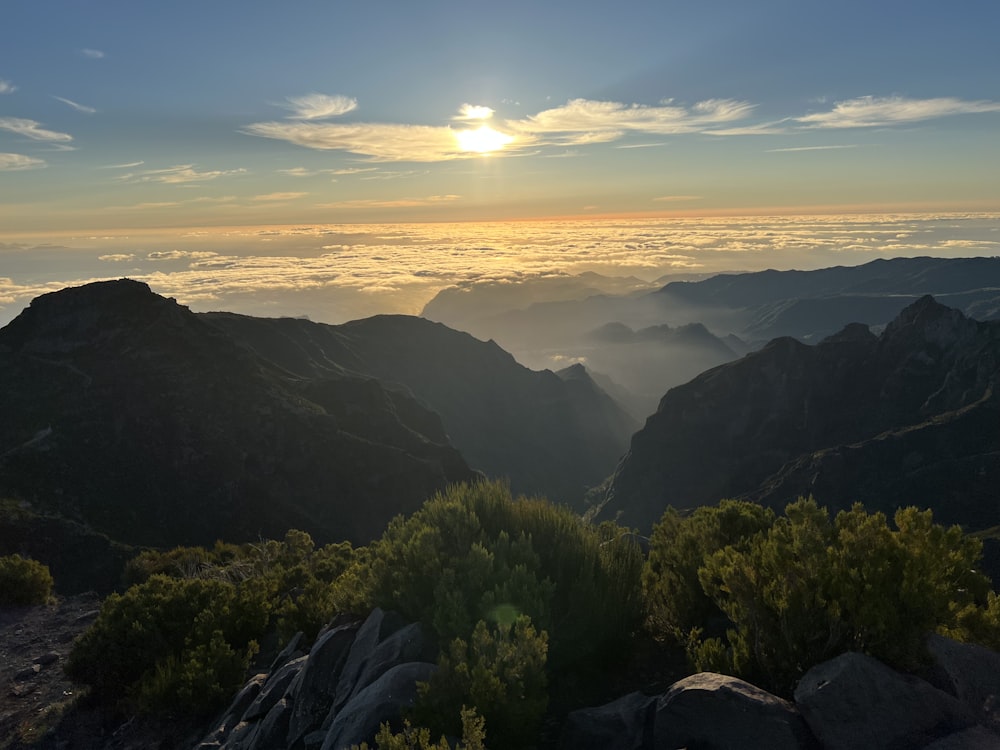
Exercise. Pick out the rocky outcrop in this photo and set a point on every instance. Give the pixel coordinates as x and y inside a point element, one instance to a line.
<point>849,702</point>
<point>127,413</point>
<point>909,417</point>
<point>357,675</point>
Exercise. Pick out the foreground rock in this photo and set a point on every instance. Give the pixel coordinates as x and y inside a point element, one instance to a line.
<point>357,675</point>
<point>846,703</point>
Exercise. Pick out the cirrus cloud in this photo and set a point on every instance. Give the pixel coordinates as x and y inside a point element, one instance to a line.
<point>320,106</point>
<point>6,87</point>
<point>33,130</point>
<point>18,162</point>
<point>874,111</point>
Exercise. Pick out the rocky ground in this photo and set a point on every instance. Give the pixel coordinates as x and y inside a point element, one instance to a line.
<point>34,644</point>
<point>40,708</point>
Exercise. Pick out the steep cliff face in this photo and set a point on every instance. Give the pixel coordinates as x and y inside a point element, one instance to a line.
<point>763,426</point>
<point>127,412</point>
<point>548,435</point>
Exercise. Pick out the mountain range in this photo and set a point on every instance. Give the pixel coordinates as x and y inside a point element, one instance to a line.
<point>130,417</point>
<point>910,416</point>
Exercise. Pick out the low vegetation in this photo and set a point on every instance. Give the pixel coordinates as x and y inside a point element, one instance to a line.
<point>525,598</point>
<point>23,581</point>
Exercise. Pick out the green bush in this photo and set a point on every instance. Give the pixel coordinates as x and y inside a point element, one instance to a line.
<point>679,548</point>
<point>171,645</point>
<point>809,589</point>
<point>500,671</point>
<point>475,553</point>
<point>419,738</point>
<point>23,581</point>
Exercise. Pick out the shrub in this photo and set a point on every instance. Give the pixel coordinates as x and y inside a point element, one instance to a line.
<point>476,553</point>
<point>419,738</point>
<point>501,671</point>
<point>679,547</point>
<point>171,645</point>
<point>810,589</point>
<point>23,581</point>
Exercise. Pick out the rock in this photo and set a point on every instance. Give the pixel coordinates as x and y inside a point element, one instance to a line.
<point>969,672</point>
<point>975,738</point>
<point>239,705</point>
<point>271,732</point>
<point>854,701</point>
<point>404,645</point>
<point>315,686</point>
<point>288,653</point>
<point>365,643</point>
<point>720,712</point>
<point>274,689</point>
<point>384,700</point>
<point>624,724</point>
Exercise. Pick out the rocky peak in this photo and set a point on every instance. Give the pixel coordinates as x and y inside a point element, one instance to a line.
<point>75,317</point>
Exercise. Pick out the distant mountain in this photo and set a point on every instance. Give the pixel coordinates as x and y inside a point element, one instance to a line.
<point>814,304</point>
<point>126,412</point>
<point>908,417</point>
<point>548,435</point>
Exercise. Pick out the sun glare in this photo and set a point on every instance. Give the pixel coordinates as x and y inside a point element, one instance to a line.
<point>482,140</point>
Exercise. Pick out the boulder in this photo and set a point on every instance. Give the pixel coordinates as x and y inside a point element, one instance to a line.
<point>404,645</point>
<point>624,724</point>
<point>314,687</point>
<point>272,730</point>
<point>855,701</point>
<point>969,672</point>
<point>274,689</point>
<point>239,705</point>
<point>719,712</point>
<point>976,738</point>
<point>384,700</point>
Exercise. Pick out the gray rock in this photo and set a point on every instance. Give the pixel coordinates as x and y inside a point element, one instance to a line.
<point>404,645</point>
<point>976,738</point>
<point>969,672</point>
<point>273,729</point>
<point>377,626</point>
<point>239,705</point>
<point>719,712</point>
<point>854,701</point>
<point>240,735</point>
<point>274,689</point>
<point>288,653</point>
<point>624,724</point>
<point>316,684</point>
<point>383,700</point>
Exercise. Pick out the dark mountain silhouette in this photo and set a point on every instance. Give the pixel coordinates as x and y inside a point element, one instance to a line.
<point>909,417</point>
<point>128,413</point>
<point>546,434</point>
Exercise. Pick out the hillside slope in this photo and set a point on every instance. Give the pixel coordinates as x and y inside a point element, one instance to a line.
<point>910,417</point>
<point>126,412</point>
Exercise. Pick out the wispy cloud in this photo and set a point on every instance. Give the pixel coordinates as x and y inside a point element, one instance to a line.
<point>18,162</point>
<point>129,165</point>
<point>583,121</point>
<point>117,257</point>
<point>6,87</point>
<point>677,198</point>
<point>178,175</point>
<point>319,106</point>
<point>278,196</point>
<point>809,148</point>
<point>394,203</point>
<point>78,107</point>
<point>474,112</point>
<point>93,54</point>
<point>642,145</point>
<point>33,130</point>
<point>873,111</point>
<point>379,141</point>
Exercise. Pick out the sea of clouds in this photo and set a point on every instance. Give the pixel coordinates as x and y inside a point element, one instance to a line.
<point>334,273</point>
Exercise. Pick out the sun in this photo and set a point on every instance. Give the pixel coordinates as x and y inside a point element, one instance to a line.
<point>482,140</point>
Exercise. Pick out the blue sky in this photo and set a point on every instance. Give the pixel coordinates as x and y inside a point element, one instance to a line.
<point>118,115</point>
